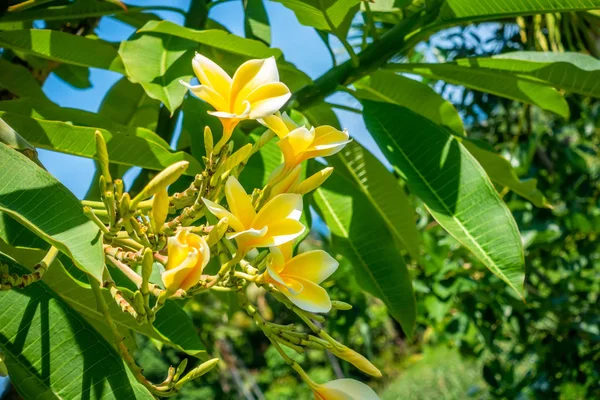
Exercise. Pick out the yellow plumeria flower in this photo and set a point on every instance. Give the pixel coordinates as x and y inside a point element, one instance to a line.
<point>292,183</point>
<point>276,223</point>
<point>298,278</point>
<point>253,92</point>
<point>299,143</point>
<point>343,389</point>
<point>356,359</point>
<point>188,255</point>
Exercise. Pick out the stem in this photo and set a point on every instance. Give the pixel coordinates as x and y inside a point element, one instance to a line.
<point>353,58</point>
<point>345,108</point>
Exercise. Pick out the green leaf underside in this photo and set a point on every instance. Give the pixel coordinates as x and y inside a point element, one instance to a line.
<point>453,186</point>
<point>77,10</point>
<point>49,111</point>
<point>256,21</point>
<point>52,353</point>
<point>573,72</point>
<point>158,62</point>
<point>315,13</point>
<point>172,326</point>
<point>453,11</point>
<point>419,97</point>
<point>37,200</point>
<point>499,84</point>
<point>19,81</point>
<point>219,39</point>
<point>362,236</point>
<point>63,47</point>
<point>80,141</point>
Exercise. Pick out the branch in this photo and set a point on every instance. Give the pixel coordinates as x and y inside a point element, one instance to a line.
<point>395,41</point>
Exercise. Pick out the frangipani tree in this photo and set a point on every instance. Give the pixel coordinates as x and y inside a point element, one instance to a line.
<point>226,211</point>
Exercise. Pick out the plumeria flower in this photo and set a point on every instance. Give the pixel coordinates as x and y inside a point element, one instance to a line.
<point>298,278</point>
<point>276,223</point>
<point>300,143</point>
<point>188,255</point>
<point>253,92</point>
<point>343,389</point>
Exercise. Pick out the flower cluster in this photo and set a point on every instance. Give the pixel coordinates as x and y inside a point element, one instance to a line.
<point>252,236</point>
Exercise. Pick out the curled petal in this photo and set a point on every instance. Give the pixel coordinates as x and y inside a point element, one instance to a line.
<point>344,389</point>
<point>315,266</point>
<point>211,75</point>
<point>207,94</point>
<point>276,124</point>
<point>268,99</point>
<point>251,75</point>
<point>280,232</point>
<point>305,294</point>
<point>220,212</point>
<point>239,202</point>
<point>174,277</point>
<point>177,249</point>
<point>246,239</point>
<point>283,206</point>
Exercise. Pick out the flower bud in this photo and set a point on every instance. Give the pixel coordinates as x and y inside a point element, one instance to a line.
<point>208,141</point>
<point>340,305</point>
<point>313,182</point>
<point>197,372</point>
<point>160,209</point>
<point>356,359</point>
<point>102,155</point>
<point>217,232</point>
<point>164,178</point>
<point>188,255</point>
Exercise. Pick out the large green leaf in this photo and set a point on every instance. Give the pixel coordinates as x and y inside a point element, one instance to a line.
<point>52,353</point>
<point>37,200</point>
<point>390,87</point>
<point>502,173</point>
<point>77,140</point>
<point>361,235</point>
<point>494,82</point>
<point>384,192</point>
<point>158,62</point>
<point>256,21</point>
<point>573,72</point>
<point>63,47</point>
<point>76,10</point>
<point>453,186</point>
<point>421,98</point>
<point>50,111</point>
<point>128,104</point>
<point>455,11</point>
<point>216,38</point>
<point>172,326</point>
<point>323,14</point>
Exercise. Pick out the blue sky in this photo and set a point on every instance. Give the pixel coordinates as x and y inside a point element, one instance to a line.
<point>300,44</point>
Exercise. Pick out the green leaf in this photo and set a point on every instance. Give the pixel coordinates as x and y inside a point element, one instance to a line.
<point>214,38</point>
<point>172,325</point>
<point>390,87</point>
<point>362,236</point>
<point>501,172</point>
<point>158,62</point>
<point>19,81</point>
<point>80,141</point>
<point>256,21</point>
<point>456,11</point>
<point>50,111</point>
<point>316,13</point>
<point>494,82</point>
<point>128,104</point>
<point>383,191</point>
<point>37,200</point>
<point>76,10</point>
<point>421,98</point>
<point>573,72</point>
<point>453,186</point>
<point>74,75</point>
<point>52,353</point>
<point>63,47</point>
